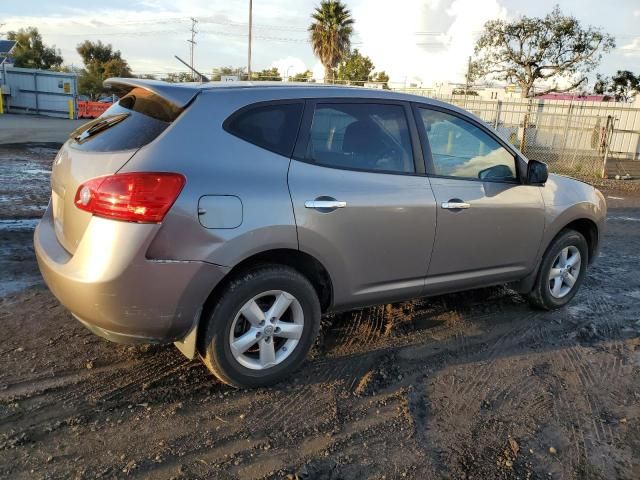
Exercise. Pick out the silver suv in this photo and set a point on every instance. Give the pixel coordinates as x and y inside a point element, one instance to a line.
<point>227,218</point>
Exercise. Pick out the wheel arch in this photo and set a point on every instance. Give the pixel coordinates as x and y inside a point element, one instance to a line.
<point>587,227</point>
<point>304,263</point>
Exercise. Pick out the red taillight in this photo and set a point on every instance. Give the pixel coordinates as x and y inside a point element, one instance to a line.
<point>132,197</point>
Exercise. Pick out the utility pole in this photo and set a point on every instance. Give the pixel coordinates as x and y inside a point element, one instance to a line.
<point>250,27</point>
<point>468,82</point>
<point>468,75</point>
<point>193,42</point>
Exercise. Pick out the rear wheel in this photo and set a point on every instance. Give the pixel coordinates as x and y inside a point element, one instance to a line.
<point>562,271</point>
<point>262,327</point>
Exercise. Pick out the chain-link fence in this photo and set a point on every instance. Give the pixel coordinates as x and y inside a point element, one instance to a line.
<point>585,139</point>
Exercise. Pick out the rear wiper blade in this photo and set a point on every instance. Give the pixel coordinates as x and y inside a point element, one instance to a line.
<point>100,126</point>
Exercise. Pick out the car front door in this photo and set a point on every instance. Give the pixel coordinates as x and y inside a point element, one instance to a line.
<point>362,204</point>
<point>490,224</point>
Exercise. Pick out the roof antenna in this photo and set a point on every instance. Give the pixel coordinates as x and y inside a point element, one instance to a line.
<point>203,79</point>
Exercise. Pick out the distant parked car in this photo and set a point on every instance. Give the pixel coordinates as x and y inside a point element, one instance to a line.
<point>227,218</point>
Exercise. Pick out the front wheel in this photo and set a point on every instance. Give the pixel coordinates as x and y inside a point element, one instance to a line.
<point>262,327</point>
<point>562,271</point>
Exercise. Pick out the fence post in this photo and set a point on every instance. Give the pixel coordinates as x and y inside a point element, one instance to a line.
<point>35,90</point>
<point>607,139</point>
<point>523,141</point>
<point>498,109</point>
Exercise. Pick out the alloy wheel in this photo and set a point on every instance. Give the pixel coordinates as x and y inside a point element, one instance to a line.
<point>266,330</point>
<point>565,270</point>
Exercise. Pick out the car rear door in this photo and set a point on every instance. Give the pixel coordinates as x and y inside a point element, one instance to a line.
<point>362,204</point>
<point>490,224</point>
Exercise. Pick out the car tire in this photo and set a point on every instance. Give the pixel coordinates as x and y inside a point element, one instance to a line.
<point>281,344</point>
<point>558,279</point>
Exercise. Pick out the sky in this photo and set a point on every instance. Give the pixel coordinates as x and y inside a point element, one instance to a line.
<point>423,42</point>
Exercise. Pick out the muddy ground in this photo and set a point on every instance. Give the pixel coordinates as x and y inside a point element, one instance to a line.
<point>474,385</point>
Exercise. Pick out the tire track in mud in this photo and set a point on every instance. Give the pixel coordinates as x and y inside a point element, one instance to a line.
<point>471,392</point>
<point>483,384</point>
<point>342,368</point>
<point>566,416</point>
<point>596,429</point>
<point>586,416</point>
<point>99,390</point>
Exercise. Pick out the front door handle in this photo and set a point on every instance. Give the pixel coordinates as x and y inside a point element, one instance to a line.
<point>325,204</point>
<point>456,204</point>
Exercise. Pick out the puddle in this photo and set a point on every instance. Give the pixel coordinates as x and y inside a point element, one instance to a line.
<point>19,225</point>
<point>24,182</point>
<point>624,219</point>
<point>425,322</point>
<point>17,285</point>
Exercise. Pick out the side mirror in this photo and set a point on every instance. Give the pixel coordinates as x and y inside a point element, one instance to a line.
<point>537,172</point>
<point>496,172</point>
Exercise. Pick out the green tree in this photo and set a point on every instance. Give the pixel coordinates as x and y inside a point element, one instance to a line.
<point>532,50</point>
<point>266,75</point>
<point>31,52</point>
<point>179,77</point>
<point>100,62</point>
<point>306,76</point>
<point>354,69</point>
<point>623,86</point>
<point>464,91</point>
<point>90,85</point>
<point>380,77</point>
<point>330,33</point>
<point>241,73</point>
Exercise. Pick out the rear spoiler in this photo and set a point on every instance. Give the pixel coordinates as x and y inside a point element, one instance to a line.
<point>176,94</point>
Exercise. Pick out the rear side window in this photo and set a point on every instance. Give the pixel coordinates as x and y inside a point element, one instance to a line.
<point>273,126</point>
<point>134,121</point>
<point>361,136</point>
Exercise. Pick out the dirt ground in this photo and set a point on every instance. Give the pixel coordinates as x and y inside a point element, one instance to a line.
<point>474,385</point>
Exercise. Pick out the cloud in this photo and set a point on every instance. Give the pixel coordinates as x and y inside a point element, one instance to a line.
<point>318,71</point>
<point>424,41</point>
<point>415,41</point>
<point>289,66</point>
<point>150,32</point>
<point>631,49</point>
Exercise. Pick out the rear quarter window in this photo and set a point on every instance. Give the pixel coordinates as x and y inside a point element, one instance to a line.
<point>132,122</point>
<point>272,126</point>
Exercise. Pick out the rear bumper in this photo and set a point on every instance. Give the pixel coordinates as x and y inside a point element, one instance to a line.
<point>114,290</point>
<point>116,336</point>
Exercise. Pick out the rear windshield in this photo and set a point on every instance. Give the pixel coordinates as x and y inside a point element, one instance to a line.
<point>132,122</point>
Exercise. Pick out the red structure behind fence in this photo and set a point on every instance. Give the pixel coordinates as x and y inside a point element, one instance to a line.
<point>91,109</point>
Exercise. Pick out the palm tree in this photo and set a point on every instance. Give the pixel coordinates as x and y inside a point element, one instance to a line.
<point>331,31</point>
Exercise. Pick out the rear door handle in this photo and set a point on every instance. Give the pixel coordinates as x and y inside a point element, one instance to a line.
<point>325,204</point>
<point>455,205</point>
